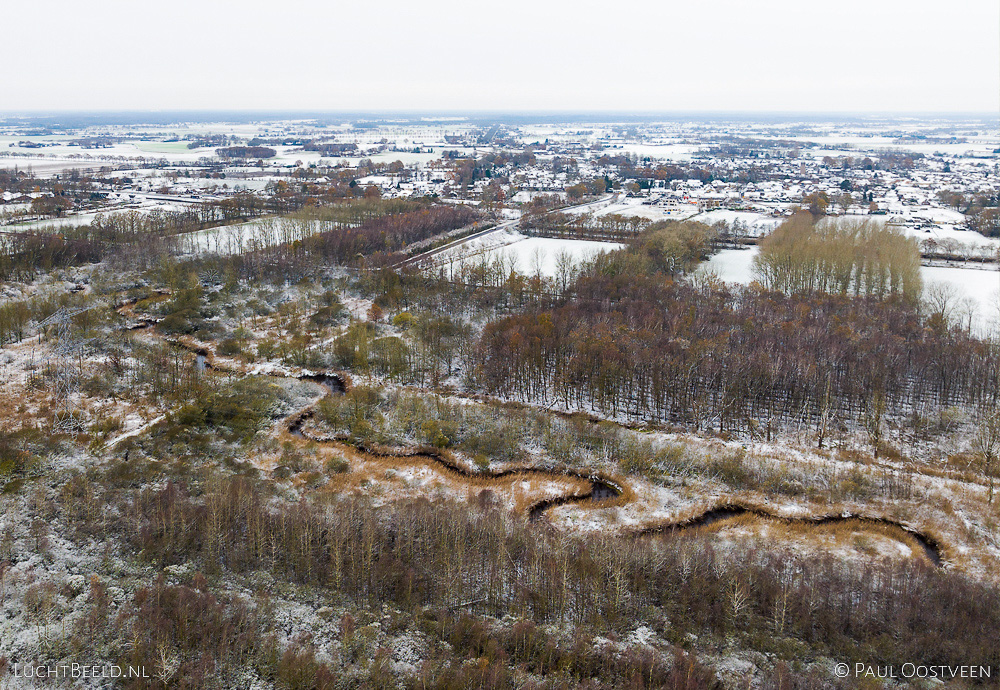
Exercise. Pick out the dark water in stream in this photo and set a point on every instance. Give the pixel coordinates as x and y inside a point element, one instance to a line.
<point>603,489</point>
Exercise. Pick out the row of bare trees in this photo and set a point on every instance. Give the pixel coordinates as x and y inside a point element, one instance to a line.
<point>651,349</point>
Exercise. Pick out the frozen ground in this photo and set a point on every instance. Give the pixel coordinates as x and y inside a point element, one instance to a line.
<point>948,238</point>
<point>44,166</point>
<point>78,219</point>
<point>624,206</point>
<point>527,255</point>
<point>732,265</point>
<point>749,222</point>
<point>245,237</point>
<point>654,212</point>
<point>668,151</point>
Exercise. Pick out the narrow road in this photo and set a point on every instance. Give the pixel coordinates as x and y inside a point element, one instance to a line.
<point>450,245</point>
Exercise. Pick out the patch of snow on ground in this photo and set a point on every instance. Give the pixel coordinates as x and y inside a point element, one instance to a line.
<point>527,255</point>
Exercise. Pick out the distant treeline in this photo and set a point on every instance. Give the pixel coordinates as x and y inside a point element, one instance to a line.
<point>331,149</point>
<point>612,227</point>
<point>245,152</point>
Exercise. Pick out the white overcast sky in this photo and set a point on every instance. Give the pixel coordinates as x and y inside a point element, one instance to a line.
<point>622,55</point>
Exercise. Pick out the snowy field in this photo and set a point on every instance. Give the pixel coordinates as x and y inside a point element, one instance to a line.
<point>654,212</point>
<point>628,207</point>
<point>975,291</point>
<point>753,224</point>
<point>953,239</point>
<point>732,265</point>
<point>846,144</point>
<point>59,158</point>
<point>229,240</point>
<point>43,166</point>
<point>526,255</point>
<point>79,219</point>
<point>676,152</point>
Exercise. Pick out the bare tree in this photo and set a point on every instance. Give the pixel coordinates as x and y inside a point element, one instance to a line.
<point>564,270</point>
<point>872,420</point>
<point>987,444</point>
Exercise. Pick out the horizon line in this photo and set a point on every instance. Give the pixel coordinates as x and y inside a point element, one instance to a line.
<point>479,111</point>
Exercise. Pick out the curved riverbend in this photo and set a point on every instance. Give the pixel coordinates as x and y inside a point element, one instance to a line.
<point>727,512</point>
<point>604,489</point>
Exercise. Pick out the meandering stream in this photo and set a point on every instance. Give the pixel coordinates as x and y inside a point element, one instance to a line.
<point>605,490</point>
<point>601,489</point>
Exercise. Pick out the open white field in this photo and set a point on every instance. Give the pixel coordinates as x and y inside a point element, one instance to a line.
<point>748,222</point>
<point>258,234</point>
<point>975,293</point>
<point>654,212</point>
<point>677,152</point>
<point>45,166</point>
<point>79,219</point>
<point>526,255</point>
<point>950,237</point>
<point>625,206</point>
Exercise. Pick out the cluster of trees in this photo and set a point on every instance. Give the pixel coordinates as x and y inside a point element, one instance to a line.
<point>24,255</point>
<point>136,226</point>
<point>246,152</point>
<point>465,171</point>
<point>886,160</point>
<point>51,196</point>
<point>17,315</point>
<point>982,210</point>
<point>857,257</point>
<point>331,149</point>
<point>430,355</point>
<point>363,231</point>
<point>594,187</point>
<point>14,318</point>
<point>195,634</point>
<point>667,247</point>
<point>343,241</point>
<point>54,205</point>
<point>243,205</point>
<point>648,172</point>
<point>346,229</point>
<point>217,140</point>
<point>140,239</point>
<point>985,221</point>
<point>73,182</point>
<point>648,348</point>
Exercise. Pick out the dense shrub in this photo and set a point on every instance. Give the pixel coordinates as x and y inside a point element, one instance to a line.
<point>236,410</point>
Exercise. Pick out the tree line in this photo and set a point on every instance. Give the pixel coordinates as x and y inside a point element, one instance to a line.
<point>649,348</point>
